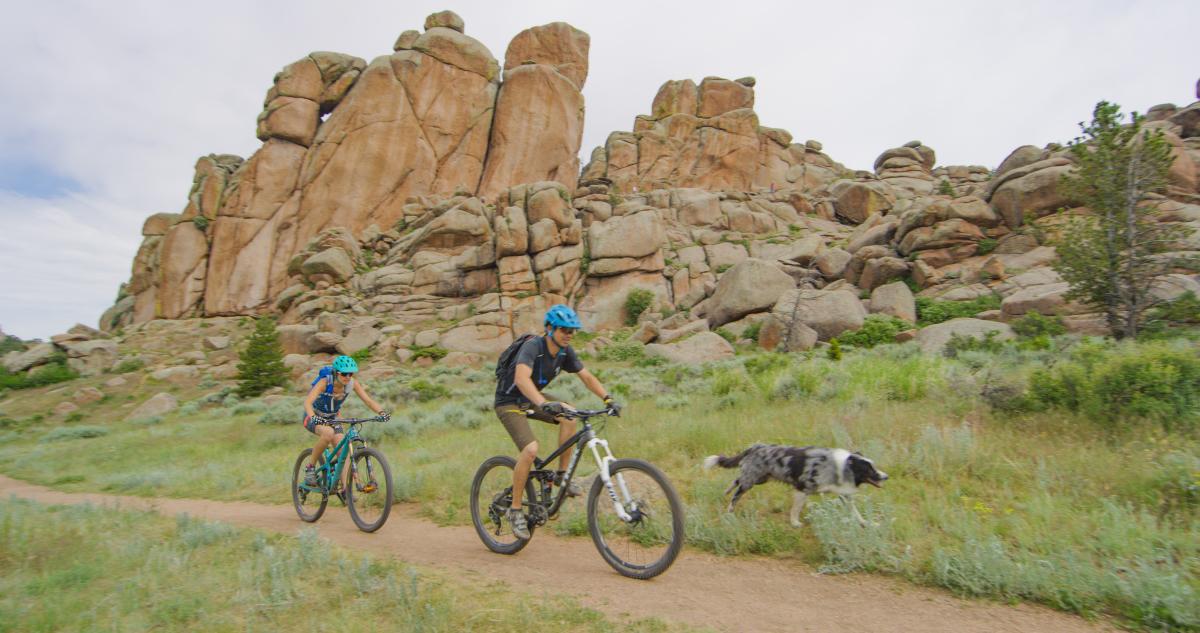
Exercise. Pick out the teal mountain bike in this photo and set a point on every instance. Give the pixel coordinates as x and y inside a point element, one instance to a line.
<point>365,487</point>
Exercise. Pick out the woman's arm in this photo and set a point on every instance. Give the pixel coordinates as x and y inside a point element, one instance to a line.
<point>362,393</point>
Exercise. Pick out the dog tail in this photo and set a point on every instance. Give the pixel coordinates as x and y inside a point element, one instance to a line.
<point>723,461</point>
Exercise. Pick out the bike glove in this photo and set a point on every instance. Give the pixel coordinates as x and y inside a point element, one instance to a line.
<point>553,408</point>
<point>613,406</point>
<point>385,415</point>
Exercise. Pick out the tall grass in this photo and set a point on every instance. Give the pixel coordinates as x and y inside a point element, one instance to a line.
<point>86,568</point>
<point>988,496</point>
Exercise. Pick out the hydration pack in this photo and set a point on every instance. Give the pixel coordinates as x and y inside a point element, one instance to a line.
<point>325,374</point>
<point>505,362</point>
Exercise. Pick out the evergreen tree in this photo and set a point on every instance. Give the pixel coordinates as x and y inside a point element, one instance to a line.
<point>261,365</point>
<point>1113,258</point>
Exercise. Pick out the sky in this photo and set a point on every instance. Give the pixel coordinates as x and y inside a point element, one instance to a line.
<point>107,105</point>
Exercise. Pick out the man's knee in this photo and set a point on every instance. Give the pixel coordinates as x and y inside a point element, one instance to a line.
<point>530,450</point>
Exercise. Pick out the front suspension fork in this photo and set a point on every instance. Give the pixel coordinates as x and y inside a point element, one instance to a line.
<point>603,461</point>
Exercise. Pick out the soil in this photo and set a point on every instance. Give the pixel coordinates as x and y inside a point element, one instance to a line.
<point>702,590</point>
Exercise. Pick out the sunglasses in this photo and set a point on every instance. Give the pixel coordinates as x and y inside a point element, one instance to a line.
<point>568,330</point>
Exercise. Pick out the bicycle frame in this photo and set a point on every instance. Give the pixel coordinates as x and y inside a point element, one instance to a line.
<point>585,438</point>
<point>338,456</point>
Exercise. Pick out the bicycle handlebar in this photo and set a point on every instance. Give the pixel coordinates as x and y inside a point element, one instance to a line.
<point>353,420</point>
<point>581,414</point>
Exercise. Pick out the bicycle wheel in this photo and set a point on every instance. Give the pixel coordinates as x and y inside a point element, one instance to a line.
<point>369,495</point>
<point>491,496</point>
<point>309,503</point>
<point>646,545</point>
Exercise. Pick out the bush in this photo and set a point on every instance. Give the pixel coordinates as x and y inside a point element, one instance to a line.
<point>930,311</point>
<point>129,364</point>
<point>962,343</point>
<point>877,329</point>
<point>1149,382</point>
<point>74,433</point>
<point>727,335</point>
<point>1033,324</point>
<point>945,188</point>
<point>987,245</point>
<point>636,302</point>
<point>52,373</point>
<point>834,352</point>
<point>436,352</point>
<point>622,350</point>
<point>426,390</point>
<point>11,344</point>
<point>261,365</point>
<point>752,331</point>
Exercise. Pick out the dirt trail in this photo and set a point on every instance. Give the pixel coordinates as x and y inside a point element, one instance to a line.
<point>700,589</point>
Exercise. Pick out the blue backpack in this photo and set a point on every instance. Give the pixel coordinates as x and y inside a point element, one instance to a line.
<point>325,373</point>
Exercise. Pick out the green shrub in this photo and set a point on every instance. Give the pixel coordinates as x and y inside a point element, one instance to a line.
<point>834,352</point>
<point>129,364</point>
<point>49,374</point>
<point>426,390</point>
<point>727,335</point>
<point>964,343</point>
<point>1152,382</point>
<point>945,188</point>
<point>201,222</point>
<point>436,352</point>
<point>261,363</point>
<point>752,330</point>
<point>74,433</point>
<point>987,245</point>
<point>877,329</point>
<point>636,302</point>
<point>931,311</point>
<point>627,350</point>
<point>1033,324</point>
<point>10,343</point>
<point>361,355</point>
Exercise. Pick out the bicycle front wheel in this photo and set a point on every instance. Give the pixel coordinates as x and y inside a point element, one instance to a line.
<point>646,544</point>
<point>369,490</point>
<point>491,497</point>
<point>309,501</point>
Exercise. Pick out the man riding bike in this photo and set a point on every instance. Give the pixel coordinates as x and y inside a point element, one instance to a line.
<point>323,402</point>
<point>535,363</point>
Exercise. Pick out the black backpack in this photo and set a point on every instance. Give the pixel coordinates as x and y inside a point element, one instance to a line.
<point>504,363</point>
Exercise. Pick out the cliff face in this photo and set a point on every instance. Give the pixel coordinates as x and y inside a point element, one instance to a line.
<point>433,191</point>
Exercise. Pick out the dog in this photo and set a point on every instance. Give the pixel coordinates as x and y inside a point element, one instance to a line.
<point>810,470</point>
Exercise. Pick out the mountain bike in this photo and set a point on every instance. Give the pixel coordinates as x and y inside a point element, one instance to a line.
<point>366,488</point>
<point>634,515</point>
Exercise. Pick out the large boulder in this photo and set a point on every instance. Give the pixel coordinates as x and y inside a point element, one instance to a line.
<point>37,355</point>
<point>699,348</point>
<point>827,312</point>
<point>858,200</point>
<point>933,338</point>
<point>636,235</point>
<point>1032,189</point>
<point>894,299</point>
<point>754,285</point>
<point>160,404</point>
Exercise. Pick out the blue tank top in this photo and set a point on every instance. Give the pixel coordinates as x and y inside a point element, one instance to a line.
<point>326,402</point>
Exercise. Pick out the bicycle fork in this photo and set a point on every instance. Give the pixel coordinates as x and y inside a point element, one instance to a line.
<point>603,461</point>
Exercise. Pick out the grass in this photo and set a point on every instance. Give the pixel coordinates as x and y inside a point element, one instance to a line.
<point>1046,505</point>
<point>106,569</point>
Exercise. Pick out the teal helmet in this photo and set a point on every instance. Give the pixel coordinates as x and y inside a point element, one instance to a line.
<point>345,365</point>
<point>561,316</point>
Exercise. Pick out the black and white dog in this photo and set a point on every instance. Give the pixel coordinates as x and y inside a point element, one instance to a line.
<point>808,469</point>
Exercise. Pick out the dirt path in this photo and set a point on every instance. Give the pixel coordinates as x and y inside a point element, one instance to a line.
<point>700,589</point>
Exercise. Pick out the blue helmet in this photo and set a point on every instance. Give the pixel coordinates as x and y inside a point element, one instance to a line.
<point>345,365</point>
<point>562,316</point>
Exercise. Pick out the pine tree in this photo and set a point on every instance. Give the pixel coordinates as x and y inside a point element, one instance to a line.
<point>261,365</point>
<point>1113,258</point>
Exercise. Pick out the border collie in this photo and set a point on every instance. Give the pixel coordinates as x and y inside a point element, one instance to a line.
<point>810,470</point>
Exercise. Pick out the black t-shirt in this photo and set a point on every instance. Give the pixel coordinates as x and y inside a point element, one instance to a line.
<point>536,354</point>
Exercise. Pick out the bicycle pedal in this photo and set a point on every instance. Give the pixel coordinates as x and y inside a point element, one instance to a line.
<point>370,488</point>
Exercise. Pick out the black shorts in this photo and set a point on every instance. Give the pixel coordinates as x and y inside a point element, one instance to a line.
<point>311,423</point>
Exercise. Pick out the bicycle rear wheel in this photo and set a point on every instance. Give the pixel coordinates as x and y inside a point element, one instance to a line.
<point>646,545</point>
<point>309,502</point>
<point>369,495</point>
<point>491,496</point>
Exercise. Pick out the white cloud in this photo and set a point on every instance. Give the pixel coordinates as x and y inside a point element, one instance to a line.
<point>123,97</point>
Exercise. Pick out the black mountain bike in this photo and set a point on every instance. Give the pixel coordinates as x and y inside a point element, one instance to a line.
<point>633,514</point>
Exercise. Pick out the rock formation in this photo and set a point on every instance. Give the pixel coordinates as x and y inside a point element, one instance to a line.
<point>430,198</point>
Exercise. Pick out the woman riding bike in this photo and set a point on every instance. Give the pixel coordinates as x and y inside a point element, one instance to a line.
<point>328,393</point>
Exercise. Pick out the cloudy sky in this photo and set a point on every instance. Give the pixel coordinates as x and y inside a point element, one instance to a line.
<point>107,105</point>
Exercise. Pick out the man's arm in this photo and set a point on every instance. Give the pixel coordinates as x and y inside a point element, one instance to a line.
<point>592,383</point>
<point>523,378</point>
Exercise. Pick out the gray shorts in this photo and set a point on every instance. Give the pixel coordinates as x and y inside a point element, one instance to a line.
<point>516,422</point>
